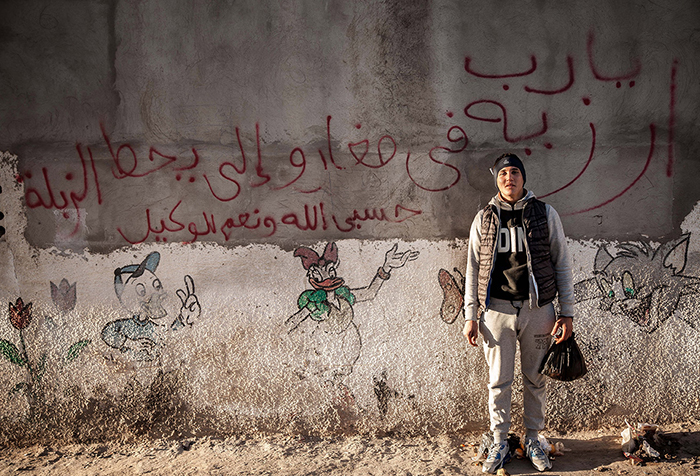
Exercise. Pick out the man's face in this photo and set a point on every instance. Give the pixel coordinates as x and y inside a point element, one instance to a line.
<point>143,296</point>
<point>510,184</point>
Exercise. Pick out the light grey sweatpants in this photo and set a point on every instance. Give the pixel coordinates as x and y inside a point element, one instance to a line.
<point>502,327</point>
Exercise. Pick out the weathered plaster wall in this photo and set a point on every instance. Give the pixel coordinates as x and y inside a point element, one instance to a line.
<point>210,142</point>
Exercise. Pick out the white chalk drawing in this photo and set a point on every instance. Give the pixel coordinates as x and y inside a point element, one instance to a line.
<point>140,292</point>
<point>642,283</point>
<point>326,312</point>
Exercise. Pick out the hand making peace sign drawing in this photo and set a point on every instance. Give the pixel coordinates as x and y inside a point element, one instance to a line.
<point>190,310</point>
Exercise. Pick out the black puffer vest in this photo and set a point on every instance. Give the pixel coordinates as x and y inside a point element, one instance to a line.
<point>539,258</point>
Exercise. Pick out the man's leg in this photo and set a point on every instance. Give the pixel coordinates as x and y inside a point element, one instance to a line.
<point>534,328</point>
<point>498,330</point>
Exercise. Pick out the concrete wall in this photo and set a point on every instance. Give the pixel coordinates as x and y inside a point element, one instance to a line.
<point>204,144</point>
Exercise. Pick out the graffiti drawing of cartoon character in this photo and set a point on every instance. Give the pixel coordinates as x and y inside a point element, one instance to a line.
<point>452,294</point>
<point>327,312</point>
<point>141,293</point>
<point>642,284</point>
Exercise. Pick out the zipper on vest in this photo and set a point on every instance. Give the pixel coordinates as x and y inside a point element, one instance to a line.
<point>531,275</point>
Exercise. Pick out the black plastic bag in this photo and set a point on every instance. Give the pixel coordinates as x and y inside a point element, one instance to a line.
<point>564,361</point>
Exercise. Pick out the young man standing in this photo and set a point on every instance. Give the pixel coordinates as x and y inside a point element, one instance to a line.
<point>517,264</point>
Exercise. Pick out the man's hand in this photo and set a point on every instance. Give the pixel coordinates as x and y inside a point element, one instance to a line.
<point>471,331</point>
<point>566,324</point>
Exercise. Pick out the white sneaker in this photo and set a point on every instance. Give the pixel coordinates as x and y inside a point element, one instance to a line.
<point>499,454</point>
<point>537,456</point>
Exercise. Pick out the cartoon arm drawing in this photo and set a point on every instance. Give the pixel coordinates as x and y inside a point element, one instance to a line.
<point>297,318</point>
<point>393,259</point>
<point>190,310</point>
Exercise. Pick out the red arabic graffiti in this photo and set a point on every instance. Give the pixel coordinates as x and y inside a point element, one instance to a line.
<point>476,110</point>
<point>468,69</point>
<point>652,141</point>
<point>504,113</point>
<point>34,199</point>
<point>671,118</point>
<point>457,174</point>
<point>232,177</point>
<point>312,217</point>
<point>566,87</point>
<point>220,203</point>
<point>637,68</point>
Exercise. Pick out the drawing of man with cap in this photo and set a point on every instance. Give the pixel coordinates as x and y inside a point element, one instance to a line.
<point>141,293</point>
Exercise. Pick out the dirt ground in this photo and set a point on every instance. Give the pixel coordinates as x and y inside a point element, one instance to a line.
<point>587,453</point>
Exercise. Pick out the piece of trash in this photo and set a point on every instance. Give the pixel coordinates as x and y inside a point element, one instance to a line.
<point>483,450</point>
<point>558,449</point>
<point>649,450</point>
<point>645,443</point>
<point>629,442</point>
<point>502,472</point>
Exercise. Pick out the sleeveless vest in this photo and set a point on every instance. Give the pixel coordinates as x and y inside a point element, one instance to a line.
<point>538,254</point>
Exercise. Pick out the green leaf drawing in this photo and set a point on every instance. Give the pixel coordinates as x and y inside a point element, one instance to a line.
<point>11,353</point>
<point>75,350</point>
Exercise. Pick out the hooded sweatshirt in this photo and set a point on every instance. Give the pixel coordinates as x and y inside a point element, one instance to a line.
<point>516,280</point>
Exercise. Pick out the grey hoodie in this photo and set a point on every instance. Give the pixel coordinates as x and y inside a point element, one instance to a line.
<point>558,250</point>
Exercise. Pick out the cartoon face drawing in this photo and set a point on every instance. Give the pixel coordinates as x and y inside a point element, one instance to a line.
<point>143,296</point>
<point>141,293</point>
<point>642,284</point>
<point>321,270</point>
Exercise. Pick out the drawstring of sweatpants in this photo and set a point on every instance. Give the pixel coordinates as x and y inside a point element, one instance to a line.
<point>517,305</point>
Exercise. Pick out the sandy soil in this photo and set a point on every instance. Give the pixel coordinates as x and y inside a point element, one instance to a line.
<point>589,453</point>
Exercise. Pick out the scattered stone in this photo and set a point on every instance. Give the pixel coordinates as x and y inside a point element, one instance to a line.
<point>99,451</point>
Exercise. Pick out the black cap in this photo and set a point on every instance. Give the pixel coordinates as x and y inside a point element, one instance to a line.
<point>507,160</point>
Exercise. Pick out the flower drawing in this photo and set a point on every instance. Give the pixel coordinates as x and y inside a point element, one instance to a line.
<point>20,318</point>
<point>63,295</point>
<point>20,314</point>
